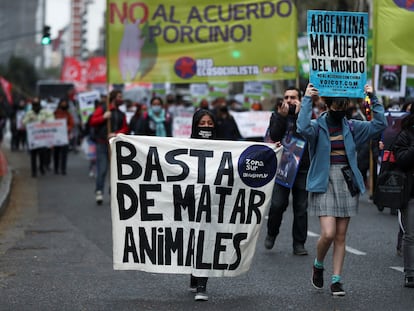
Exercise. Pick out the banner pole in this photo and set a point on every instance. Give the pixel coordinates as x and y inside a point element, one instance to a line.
<point>108,122</point>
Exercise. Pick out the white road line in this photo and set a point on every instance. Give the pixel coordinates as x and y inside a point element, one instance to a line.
<point>313,234</point>
<point>354,251</point>
<point>347,248</point>
<point>400,269</point>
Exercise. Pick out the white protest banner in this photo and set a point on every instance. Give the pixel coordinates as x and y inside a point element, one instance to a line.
<point>182,123</point>
<point>47,134</point>
<point>87,104</point>
<point>337,44</point>
<point>252,123</point>
<point>188,205</point>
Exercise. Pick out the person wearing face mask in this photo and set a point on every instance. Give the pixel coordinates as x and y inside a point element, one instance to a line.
<point>282,128</point>
<point>106,124</point>
<point>226,125</point>
<point>37,114</point>
<point>203,127</point>
<point>157,121</point>
<point>334,181</point>
<point>60,153</point>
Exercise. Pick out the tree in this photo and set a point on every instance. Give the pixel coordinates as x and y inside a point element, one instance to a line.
<point>21,74</point>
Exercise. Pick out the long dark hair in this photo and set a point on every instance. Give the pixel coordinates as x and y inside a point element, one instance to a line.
<point>197,117</point>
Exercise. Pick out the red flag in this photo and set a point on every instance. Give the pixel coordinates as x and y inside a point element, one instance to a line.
<point>74,71</point>
<point>96,70</point>
<point>7,87</point>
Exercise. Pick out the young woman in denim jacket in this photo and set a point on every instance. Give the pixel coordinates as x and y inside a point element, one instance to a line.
<point>332,146</point>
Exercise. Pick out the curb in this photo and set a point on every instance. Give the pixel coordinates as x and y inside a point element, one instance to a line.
<point>6,177</point>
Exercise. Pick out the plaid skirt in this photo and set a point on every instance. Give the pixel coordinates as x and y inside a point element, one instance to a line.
<point>337,200</point>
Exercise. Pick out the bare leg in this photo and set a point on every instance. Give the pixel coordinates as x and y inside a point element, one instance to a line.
<point>328,232</point>
<point>339,244</point>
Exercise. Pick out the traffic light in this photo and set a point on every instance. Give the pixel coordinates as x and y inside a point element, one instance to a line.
<point>46,35</point>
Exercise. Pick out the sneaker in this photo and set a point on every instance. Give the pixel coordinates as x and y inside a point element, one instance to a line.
<point>99,197</point>
<point>337,290</point>
<point>409,281</point>
<point>269,241</point>
<point>201,294</point>
<point>299,250</point>
<point>317,278</point>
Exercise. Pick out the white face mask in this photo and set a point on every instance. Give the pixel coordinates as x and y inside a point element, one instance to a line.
<point>315,110</point>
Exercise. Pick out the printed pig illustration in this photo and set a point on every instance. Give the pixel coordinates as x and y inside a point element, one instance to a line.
<point>129,56</point>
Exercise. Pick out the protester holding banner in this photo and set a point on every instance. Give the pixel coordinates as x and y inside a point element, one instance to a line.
<point>158,121</point>
<point>203,127</point>
<point>37,114</point>
<point>282,128</point>
<point>404,152</point>
<point>99,121</point>
<point>334,180</point>
<point>226,125</point>
<point>60,153</point>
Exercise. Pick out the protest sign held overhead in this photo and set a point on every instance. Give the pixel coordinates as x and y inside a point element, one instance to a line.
<point>188,205</point>
<point>337,44</point>
<point>201,41</point>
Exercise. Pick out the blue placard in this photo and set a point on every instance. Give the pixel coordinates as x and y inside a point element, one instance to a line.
<point>337,44</point>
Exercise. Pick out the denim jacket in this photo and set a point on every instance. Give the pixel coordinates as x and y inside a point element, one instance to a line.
<point>355,133</point>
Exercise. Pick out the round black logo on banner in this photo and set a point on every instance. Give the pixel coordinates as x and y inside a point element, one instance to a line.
<point>257,165</point>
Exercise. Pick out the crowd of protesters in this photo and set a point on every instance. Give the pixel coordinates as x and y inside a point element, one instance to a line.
<point>291,115</point>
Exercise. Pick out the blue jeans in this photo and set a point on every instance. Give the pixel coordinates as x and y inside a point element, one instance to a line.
<point>102,164</point>
<point>279,204</point>
<point>407,220</point>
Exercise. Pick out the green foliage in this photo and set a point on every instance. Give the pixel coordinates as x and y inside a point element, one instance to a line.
<point>21,74</point>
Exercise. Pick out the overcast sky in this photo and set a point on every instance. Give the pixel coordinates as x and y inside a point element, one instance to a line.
<point>58,15</point>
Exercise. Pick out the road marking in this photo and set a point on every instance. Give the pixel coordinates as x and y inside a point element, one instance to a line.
<point>347,248</point>
<point>354,251</point>
<point>400,269</point>
<point>313,234</point>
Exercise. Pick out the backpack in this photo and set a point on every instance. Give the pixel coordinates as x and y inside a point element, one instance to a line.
<point>393,186</point>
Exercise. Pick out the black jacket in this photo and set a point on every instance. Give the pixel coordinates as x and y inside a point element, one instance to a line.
<point>404,153</point>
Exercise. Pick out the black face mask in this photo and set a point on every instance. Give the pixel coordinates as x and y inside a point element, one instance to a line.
<point>337,116</point>
<point>224,109</point>
<point>64,107</point>
<point>36,108</point>
<point>292,110</point>
<point>350,112</point>
<point>205,132</point>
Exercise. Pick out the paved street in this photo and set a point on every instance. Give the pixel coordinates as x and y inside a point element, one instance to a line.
<point>56,254</point>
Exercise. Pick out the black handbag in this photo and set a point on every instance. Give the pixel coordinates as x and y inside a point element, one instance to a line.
<point>350,180</point>
<point>392,188</point>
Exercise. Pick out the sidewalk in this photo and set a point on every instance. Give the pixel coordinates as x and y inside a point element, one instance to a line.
<point>6,177</point>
